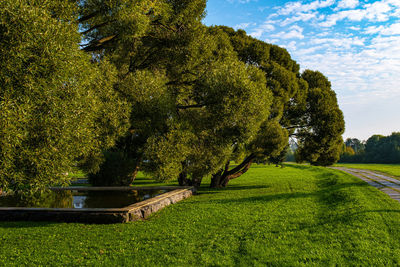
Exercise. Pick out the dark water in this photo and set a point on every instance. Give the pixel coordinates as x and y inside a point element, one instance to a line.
<point>81,199</point>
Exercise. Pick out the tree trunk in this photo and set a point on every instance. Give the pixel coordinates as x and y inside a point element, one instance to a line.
<point>136,170</point>
<point>222,177</point>
<point>216,179</point>
<point>183,180</point>
<point>196,182</point>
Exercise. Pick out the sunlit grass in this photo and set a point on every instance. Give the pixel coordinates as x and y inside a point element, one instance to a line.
<point>298,215</point>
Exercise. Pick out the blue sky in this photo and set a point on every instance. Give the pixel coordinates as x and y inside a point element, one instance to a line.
<point>355,43</point>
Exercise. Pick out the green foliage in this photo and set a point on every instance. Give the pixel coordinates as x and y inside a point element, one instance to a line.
<point>321,141</point>
<point>191,99</point>
<point>182,99</point>
<point>54,102</point>
<point>303,106</point>
<point>281,74</point>
<point>377,149</point>
<point>116,170</point>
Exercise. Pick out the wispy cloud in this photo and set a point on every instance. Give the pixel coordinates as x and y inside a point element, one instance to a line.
<point>267,26</point>
<point>243,25</point>
<point>343,4</point>
<point>375,12</point>
<point>294,32</point>
<point>299,17</point>
<point>299,7</point>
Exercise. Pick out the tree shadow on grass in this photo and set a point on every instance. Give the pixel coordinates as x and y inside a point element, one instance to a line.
<point>311,168</point>
<point>288,196</point>
<point>345,218</point>
<point>206,190</point>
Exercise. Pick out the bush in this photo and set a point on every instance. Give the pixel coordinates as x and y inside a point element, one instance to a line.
<point>116,170</point>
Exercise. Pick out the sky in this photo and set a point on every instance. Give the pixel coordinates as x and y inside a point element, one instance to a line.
<point>355,43</point>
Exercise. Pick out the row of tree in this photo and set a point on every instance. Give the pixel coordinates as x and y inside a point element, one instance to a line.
<point>149,88</point>
<point>377,149</point>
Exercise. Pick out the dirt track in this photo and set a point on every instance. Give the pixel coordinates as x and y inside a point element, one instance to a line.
<point>383,182</point>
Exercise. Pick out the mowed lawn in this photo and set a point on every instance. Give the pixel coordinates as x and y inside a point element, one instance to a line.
<point>297,215</point>
<point>391,169</point>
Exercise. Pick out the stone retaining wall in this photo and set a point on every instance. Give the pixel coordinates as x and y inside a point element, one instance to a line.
<point>137,211</point>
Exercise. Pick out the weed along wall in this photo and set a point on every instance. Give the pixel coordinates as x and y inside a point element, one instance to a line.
<point>97,204</point>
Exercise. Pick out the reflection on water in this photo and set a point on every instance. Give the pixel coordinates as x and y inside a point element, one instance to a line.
<point>81,199</point>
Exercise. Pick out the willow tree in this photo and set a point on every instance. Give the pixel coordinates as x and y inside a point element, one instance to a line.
<point>149,43</point>
<point>320,139</point>
<point>190,96</point>
<point>55,102</point>
<point>198,96</point>
<point>299,109</point>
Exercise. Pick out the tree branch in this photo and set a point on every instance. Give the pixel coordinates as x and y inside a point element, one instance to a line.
<point>157,22</point>
<point>89,16</point>
<point>242,165</point>
<point>243,171</point>
<point>97,26</point>
<point>97,45</point>
<point>196,105</point>
<point>191,106</point>
<point>296,126</point>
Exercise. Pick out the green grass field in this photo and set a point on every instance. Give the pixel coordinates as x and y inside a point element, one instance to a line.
<point>391,169</point>
<point>294,216</point>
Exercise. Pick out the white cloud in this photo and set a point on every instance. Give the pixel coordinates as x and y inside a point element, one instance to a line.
<point>299,17</point>
<point>393,29</point>
<point>267,26</point>
<point>271,41</point>
<point>377,11</point>
<point>344,4</point>
<point>243,26</point>
<point>295,32</point>
<point>341,43</point>
<point>299,7</point>
<point>354,28</point>
<point>291,45</point>
<point>373,29</point>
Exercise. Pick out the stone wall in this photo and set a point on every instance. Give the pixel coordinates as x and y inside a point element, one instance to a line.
<point>137,211</point>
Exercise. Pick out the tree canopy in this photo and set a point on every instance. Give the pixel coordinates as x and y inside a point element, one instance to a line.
<point>57,107</point>
<point>377,149</point>
<point>152,86</point>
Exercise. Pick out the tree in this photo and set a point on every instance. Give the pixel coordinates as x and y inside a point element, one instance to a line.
<point>320,142</point>
<point>383,149</point>
<point>155,46</point>
<point>294,110</point>
<point>57,105</point>
<point>355,144</point>
<point>190,97</point>
<point>220,94</point>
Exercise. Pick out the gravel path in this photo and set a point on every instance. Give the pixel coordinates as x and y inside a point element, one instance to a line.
<point>384,183</point>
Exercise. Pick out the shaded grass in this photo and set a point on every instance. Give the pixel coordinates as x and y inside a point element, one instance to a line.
<point>391,169</point>
<point>295,216</point>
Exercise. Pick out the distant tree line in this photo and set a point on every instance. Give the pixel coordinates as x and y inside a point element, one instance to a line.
<point>149,88</point>
<point>377,149</point>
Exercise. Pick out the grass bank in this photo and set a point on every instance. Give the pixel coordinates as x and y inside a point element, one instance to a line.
<point>294,216</point>
<point>391,169</point>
